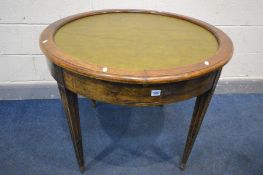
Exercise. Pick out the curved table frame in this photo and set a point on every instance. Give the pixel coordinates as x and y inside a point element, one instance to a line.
<point>136,90</point>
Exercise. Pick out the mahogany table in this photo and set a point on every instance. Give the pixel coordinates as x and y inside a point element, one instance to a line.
<point>137,58</point>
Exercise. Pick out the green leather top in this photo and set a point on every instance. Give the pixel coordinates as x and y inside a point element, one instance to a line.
<point>136,41</point>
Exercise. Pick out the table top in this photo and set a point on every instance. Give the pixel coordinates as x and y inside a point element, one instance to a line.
<point>136,41</point>
<point>136,46</point>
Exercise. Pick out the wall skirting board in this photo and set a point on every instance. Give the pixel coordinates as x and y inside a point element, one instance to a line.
<point>48,90</point>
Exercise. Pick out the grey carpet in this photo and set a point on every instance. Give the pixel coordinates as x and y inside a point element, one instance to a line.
<point>34,138</point>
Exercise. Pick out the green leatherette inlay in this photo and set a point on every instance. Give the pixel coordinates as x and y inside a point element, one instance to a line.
<point>136,41</point>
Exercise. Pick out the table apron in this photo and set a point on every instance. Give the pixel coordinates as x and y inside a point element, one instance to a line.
<point>132,94</point>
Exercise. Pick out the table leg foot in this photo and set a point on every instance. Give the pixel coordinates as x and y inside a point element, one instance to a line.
<point>94,104</point>
<point>82,169</point>
<point>182,167</point>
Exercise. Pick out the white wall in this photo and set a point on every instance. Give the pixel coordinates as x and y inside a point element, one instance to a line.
<point>21,22</point>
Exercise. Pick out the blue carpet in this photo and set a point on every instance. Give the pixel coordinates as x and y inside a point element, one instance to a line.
<point>34,138</point>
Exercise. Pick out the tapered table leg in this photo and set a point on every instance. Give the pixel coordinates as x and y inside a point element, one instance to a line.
<point>70,103</point>
<point>201,105</point>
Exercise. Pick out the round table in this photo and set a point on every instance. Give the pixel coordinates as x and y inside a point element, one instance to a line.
<point>135,57</point>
